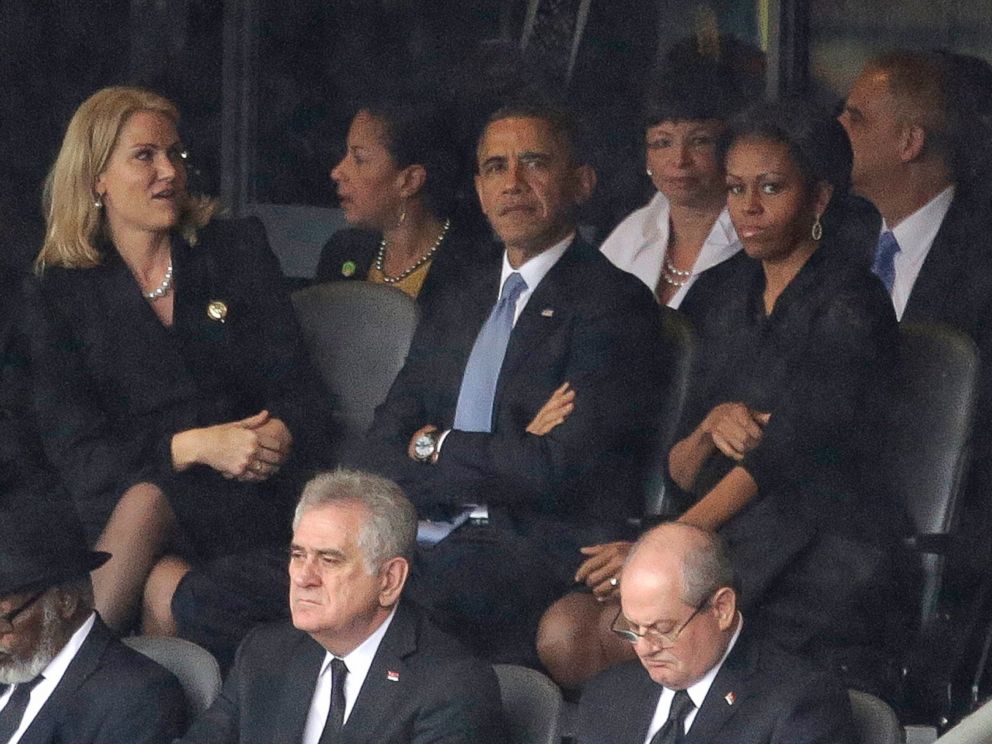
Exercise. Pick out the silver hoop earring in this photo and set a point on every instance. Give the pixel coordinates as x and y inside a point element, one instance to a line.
<point>650,173</point>
<point>817,231</point>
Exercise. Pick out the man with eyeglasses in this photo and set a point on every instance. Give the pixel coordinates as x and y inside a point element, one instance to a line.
<point>63,677</point>
<point>702,678</point>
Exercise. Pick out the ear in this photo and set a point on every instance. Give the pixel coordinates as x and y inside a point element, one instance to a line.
<point>412,180</point>
<point>583,183</point>
<point>725,605</point>
<point>822,192</point>
<point>912,142</point>
<point>67,603</point>
<point>392,577</point>
<point>99,185</point>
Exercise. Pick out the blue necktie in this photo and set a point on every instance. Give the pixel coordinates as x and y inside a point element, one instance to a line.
<point>884,266</point>
<point>475,398</point>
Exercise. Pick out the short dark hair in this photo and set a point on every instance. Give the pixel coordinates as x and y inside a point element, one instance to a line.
<point>564,124</point>
<point>816,140</point>
<point>698,81</point>
<point>921,79</point>
<point>422,132</point>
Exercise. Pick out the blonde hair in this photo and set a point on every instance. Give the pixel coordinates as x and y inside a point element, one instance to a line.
<point>73,221</point>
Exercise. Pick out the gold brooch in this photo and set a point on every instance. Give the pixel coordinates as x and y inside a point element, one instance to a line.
<point>217,310</point>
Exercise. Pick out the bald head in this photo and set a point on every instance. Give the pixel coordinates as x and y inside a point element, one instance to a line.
<point>678,583</point>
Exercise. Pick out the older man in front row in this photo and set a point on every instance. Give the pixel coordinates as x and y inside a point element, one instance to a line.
<point>702,677</point>
<point>63,678</point>
<point>357,664</point>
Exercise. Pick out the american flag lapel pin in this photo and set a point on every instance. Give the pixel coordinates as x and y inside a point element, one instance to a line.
<point>730,697</point>
<point>547,313</point>
<point>393,676</point>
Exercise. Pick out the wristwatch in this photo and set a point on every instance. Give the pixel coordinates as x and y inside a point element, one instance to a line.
<point>425,447</point>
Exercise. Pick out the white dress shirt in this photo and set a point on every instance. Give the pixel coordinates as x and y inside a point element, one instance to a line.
<point>639,243</point>
<point>697,692</point>
<point>358,663</point>
<point>915,236</point>
<point>533,271</point>
<point>52,674</point>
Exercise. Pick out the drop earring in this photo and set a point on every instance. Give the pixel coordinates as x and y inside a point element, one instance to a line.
<point>817,231</point>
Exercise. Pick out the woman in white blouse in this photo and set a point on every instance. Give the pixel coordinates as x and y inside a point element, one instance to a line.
<point>684,229</point>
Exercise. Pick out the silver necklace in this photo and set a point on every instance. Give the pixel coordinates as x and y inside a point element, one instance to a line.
<point>162,289</point>
<point>381,255</point>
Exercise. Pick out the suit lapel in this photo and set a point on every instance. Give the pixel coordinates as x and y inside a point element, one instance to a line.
<point>295,696</point>
<point>382,691</point>
<point>43,728</point>
<point>726,694</point>
<point>939,276</point>
<point>542,316</point>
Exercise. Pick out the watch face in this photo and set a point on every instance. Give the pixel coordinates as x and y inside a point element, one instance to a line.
<point>424,446</point>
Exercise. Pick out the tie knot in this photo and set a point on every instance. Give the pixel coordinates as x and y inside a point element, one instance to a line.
<point>888,246</point>
<point>512,287</point>
<point>338,668</point>
<point>681,706</point>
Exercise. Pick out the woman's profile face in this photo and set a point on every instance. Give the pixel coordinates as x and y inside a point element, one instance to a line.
<point>682,158</point>
<point>143,186</point>
<point>768,198</point>
<point>367,177</point>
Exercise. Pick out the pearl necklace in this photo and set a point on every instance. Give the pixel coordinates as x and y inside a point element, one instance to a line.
<point>674,276</point>
<point>162,289</point>
<point>381,255</point>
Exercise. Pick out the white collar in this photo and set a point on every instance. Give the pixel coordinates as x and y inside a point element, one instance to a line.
<point>916,233</point>
<point>537,267</point>
<point>55,670</point>
<point>697,691</point>
<point>359,661</point>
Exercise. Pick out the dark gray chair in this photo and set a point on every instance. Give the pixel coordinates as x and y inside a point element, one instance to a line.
<point>195,667</point>
<point>358,334</point>
<point>923,458</point>
<point>678,339</point>
<point>532,704</point>
<point>875,721</point>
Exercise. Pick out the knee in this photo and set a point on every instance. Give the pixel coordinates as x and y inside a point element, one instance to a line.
<point>566,638</point>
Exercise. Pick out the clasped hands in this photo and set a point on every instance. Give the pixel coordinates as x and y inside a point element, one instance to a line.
<point>250,450</point>
<point>734,428</point>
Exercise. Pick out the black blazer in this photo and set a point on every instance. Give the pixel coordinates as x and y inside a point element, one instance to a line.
<point>350,253</point>
<point>110,694</point>
<point>776,699</point>
<point>588,323</point>
<point>440,694</point>
<point>112,385</point>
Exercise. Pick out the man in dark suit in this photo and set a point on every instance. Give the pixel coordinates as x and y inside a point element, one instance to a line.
<point>919,129</point>
<point>357,664</point>
<point>702,677</point>
<point>474,418</point>
<point>63,677</point>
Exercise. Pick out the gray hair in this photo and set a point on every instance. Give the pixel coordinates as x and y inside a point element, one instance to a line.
<point>391,527</point>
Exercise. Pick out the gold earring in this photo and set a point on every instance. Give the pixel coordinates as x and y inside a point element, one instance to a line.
<point>817,231</point>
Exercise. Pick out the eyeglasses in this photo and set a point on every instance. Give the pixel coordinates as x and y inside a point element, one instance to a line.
<point>628,632</point>
<point>7,621</point>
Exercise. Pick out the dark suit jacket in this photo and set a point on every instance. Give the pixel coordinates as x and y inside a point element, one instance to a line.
<point>441,695</point>
<point>110,695</point>
<point>777,699</point>
<point>587,323</point>
<point>112,385</point>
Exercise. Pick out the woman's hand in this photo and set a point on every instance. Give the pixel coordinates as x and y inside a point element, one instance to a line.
<point>554,412</point>
<point>601,570</point>
<point>734,428</point>
<point>251,449</point>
